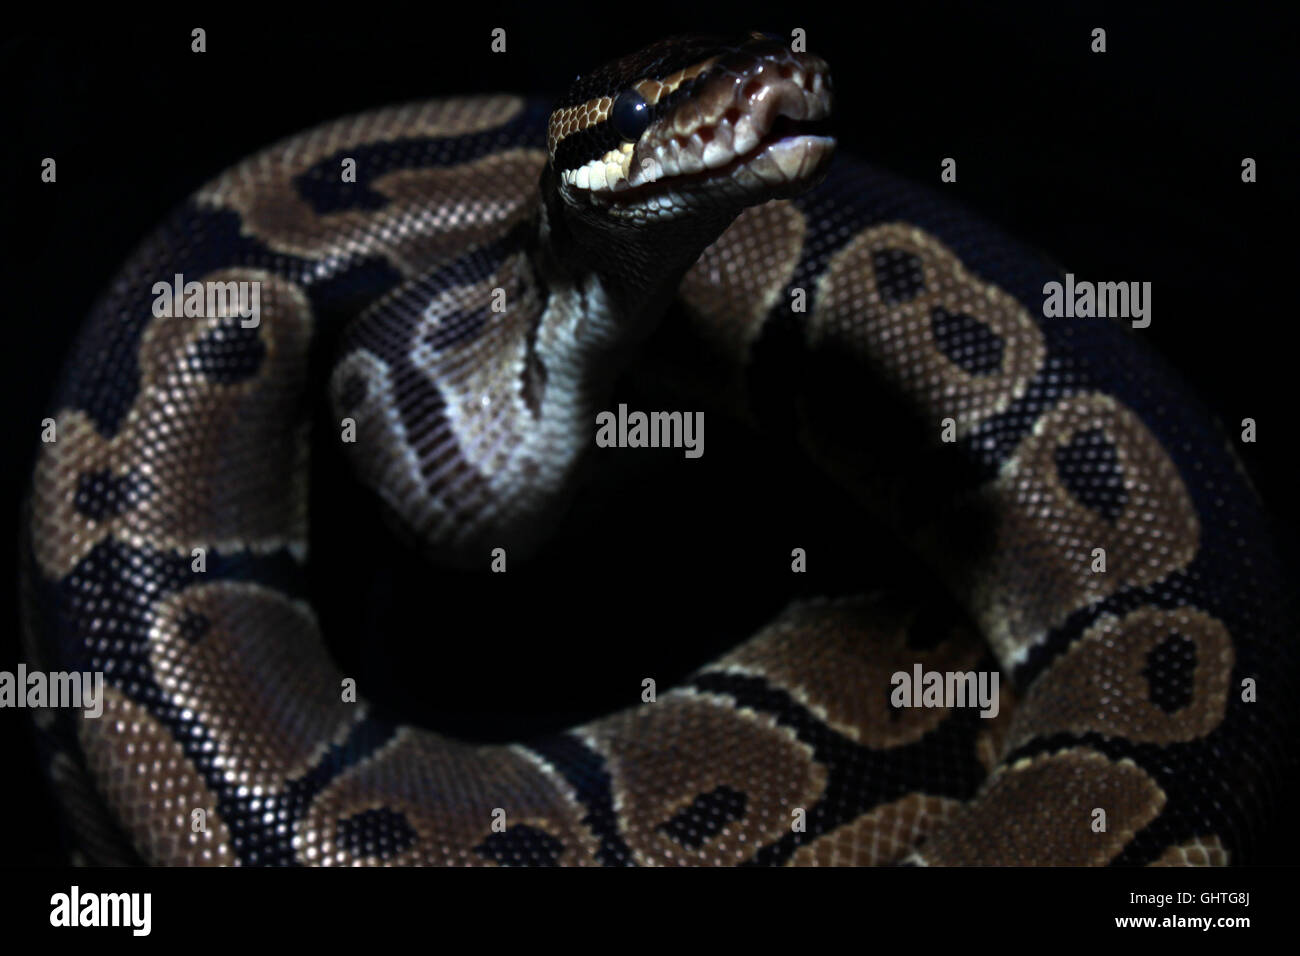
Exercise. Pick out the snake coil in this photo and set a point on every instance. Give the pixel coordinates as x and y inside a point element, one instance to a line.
<point>490,270</point>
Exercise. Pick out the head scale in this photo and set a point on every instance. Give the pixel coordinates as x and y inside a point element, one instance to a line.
<point>691,124</point>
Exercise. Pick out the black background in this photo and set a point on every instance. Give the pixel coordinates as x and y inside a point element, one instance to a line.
<point>1121,166</point>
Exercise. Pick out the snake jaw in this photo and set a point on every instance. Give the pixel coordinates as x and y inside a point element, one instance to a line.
<point>747,128</point>
<point>731,119</point>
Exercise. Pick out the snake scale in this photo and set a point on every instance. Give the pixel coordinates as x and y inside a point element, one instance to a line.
<point>492,267</point>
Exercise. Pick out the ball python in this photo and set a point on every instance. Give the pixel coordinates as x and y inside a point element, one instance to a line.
<point>483,276</point>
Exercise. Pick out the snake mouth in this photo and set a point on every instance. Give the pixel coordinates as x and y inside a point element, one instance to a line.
<point>753,126</point>
<point>793,155</point>
<point>792,158</point>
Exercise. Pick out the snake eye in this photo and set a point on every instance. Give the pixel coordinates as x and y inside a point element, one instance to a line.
<point>631,115</point>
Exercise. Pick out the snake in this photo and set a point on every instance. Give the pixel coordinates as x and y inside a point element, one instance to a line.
<point>455,286</point>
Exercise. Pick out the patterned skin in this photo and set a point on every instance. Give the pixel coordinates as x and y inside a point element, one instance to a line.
<point>690,174</point>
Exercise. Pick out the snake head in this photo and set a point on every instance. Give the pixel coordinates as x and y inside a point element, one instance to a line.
<point>693,122</point>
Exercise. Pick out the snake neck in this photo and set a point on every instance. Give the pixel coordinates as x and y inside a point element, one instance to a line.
<point>590,290</point>
<point>479,461</point>
<point>628,272</point>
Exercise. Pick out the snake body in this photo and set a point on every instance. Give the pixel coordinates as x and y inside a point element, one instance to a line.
<point>491,269</point>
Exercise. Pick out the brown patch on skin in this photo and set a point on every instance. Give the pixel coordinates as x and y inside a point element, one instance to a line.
<point>439,213</point>
<point>436,212</point>
<point>897,339</point>
<point>251,665</point>
<point>880,837</point>
<point>837,659</point>
<point>1099,686</point>
<point>735,284</point>
<point>663,756</point>
<point>1039,566</point>
<point>181,427</point>
<point>1039,812</point>
<point>152,788</point>
<point>1199,851</point>
<point>573,119</point>
<point>447,793</point>
<point>653,90</point>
